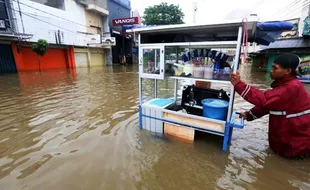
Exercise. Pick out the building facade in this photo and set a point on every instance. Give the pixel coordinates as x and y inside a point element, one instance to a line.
<point>73,28</point>
<point>294,41</point>
<point>96,53</point>
<point>8,32</point>
<point>62,22</point>
<point>120,9</point>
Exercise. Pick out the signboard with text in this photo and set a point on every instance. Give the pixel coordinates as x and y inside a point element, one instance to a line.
<point>93,39</point>
<point>126,21</point>
<point>109,41</point>
<point>304,69</point>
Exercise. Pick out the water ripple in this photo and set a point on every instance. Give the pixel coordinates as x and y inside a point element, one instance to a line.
<point>78,130</point>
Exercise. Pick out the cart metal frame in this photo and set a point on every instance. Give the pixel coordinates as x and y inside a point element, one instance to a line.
<point>238,29</point>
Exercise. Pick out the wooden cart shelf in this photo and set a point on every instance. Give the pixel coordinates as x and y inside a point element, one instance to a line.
<point>219,81</point>
<point>198,122</point>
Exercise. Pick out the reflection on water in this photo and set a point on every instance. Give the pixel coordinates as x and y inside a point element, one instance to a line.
<point>78,130</point>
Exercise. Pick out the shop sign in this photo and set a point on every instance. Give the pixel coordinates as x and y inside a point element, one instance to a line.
<point>93,39</point>
<point>304,68</point>
<point>109,41</point>
<point>125,21</point>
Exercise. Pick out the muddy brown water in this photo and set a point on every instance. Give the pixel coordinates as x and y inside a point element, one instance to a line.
<point>79,130</point>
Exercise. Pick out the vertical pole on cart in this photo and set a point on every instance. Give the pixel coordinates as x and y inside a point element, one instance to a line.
<point>235,69</point>
<point>175,90</point>
<point>140,69</point>
<point>228,128</point>
<point>140,102</point>
<point>155,87</point>
<point>140,91</point>
<point>176,80</point>
<point>155,81</point>
<point>140,83</point>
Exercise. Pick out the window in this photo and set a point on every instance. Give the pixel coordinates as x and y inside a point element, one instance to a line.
<point>59,4</point>
<point>151,61</point>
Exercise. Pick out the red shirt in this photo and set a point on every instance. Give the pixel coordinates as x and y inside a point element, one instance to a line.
<point>288,104</point>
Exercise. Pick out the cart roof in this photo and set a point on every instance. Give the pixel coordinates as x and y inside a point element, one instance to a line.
<point>219,29</point>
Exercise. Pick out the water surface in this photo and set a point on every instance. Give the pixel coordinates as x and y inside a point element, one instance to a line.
<point>79,130</point>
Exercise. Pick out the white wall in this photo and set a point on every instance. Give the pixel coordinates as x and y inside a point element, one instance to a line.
<point>303,15</point>
<point>253,48</point>
<point>44,26</point>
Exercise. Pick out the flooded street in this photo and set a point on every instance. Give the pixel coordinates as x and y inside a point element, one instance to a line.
<point>79,130</point>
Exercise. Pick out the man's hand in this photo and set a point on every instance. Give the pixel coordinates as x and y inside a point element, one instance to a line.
<point>244,115</point>
<point>234,78</point>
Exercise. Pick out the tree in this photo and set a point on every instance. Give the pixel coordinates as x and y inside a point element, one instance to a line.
<point>163,14</point>
<point>40,48</point>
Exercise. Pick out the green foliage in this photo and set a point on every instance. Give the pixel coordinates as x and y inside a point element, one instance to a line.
<point>40,47</point>
<point>163,14</point>
<point>306,29</point>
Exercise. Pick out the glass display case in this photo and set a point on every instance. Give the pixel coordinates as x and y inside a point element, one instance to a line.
<point>200,60</point>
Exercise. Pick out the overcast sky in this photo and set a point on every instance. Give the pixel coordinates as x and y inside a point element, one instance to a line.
<point>216,10</point>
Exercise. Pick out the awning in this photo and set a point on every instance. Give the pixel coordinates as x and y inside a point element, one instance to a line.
<point>15,36</point>
<point>220,29</point>
<point>261,33</point>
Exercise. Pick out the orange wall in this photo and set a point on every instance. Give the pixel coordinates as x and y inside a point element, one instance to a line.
<point>55,58</point>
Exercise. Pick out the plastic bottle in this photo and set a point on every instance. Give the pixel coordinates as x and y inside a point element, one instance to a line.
<point>217,66</point>
<point>216,70</point>
<point>209,66</point>
<point>208,72</point>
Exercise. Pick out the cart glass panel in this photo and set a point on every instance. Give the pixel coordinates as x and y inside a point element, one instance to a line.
<point>198,62</point>
<point>151,62</point>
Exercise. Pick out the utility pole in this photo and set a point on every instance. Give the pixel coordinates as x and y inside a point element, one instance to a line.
<point>305,12</point>
<point>194,12</point>
<point>21,16</point>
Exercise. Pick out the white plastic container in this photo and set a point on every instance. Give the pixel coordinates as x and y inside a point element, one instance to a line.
<point>155,111</point>
<point>178,69</point>
<point>199,71</point>
<point>188,69</point>
<point>208,72</point>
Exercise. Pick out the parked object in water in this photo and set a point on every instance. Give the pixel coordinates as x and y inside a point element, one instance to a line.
<point>200,38</point>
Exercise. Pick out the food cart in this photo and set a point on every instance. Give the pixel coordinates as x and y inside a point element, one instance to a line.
<point>206,53</point>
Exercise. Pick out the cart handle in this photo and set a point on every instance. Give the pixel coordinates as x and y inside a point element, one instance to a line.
<point>233,121</point>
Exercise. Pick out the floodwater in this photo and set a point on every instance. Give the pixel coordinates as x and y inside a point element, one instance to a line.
<point>79,130</point>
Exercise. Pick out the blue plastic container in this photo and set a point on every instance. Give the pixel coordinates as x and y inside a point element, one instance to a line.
<point>215,108</point>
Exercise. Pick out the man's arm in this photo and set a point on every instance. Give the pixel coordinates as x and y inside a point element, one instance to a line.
<point>256,113</point>
<point>274,99</point>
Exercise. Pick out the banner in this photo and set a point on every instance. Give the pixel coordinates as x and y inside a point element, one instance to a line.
<point>125,21</point>
<point>109,41</point>
<point>304,69</point>
<point>93,39</point>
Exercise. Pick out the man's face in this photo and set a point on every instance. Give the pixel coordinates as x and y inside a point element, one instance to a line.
<point>277,72</point>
